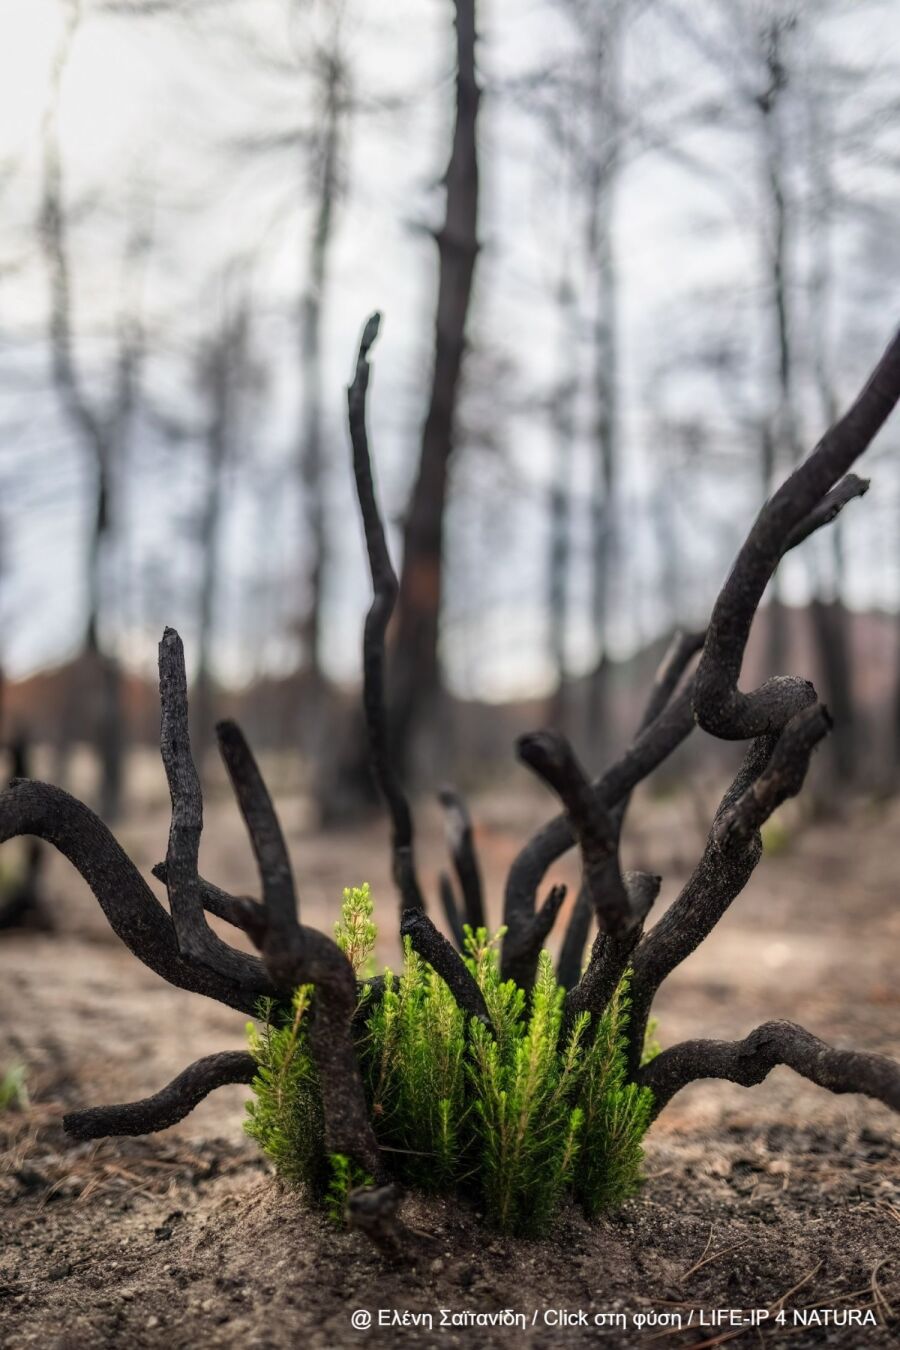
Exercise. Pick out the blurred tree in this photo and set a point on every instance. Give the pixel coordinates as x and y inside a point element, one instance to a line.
<point>224,377</point>
<point>323,152</point>
<point>415,675</point>
<point>103,430</point>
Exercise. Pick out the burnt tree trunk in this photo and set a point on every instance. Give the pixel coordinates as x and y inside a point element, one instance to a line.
<point>560,507</point>
<point>217,373</point>
<point>311,462</point>
<point>601,248</point>
<point>102,433</point>
<point>416,676</point>
<point>831,624</point>
<point>782,428</point>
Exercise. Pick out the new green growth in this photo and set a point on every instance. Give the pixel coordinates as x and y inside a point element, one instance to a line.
<point>516,1117</point>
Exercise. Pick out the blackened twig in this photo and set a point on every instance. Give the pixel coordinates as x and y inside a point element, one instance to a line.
<point>461,842</point>
<point>808,498</point>
<point>384,586</point>
<point>749,1061</point>
<point>196,939</point>
<point>451,910</point>
<point>732,852</point>
<point>241,911</point>
<point>278,894</point>
<point>133,911</point>
<point>176,1100</point>
<point>434,948</point>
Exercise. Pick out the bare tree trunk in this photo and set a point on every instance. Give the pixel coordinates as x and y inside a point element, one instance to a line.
<point>830,620</point>
<point>217,376</point>
<point>415,676</point>
<point>782,428</point>
<point>606,364</point>
<point>102,435</point>
<point>776,617</point>
<point>605,464</point>
<point>560,551</point>
<point>312,464</point>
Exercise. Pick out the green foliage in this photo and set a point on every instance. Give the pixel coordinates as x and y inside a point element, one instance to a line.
<point>516,1117</point>
<point>344,1177</point>
<point>285,1113</point>
<point>528,1126</point>
<point>413,1058</point>
<point>355,934</point>
<point>616,1115</point>
<point>13,1091</point>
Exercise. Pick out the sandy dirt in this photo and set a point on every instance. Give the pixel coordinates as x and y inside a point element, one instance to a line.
<point>779,1199</point>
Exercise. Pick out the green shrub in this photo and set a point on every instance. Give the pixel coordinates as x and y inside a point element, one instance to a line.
<point>516,1117</point>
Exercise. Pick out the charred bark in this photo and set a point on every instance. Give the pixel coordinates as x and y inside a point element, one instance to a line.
<point>416,683</point>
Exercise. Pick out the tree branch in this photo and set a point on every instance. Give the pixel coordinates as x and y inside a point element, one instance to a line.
<point>295,955</point>
<point>384,586</point>
<point>571,955</point>
<point>651,747</point>
<point>828,508</point>
<point>241,911</point>
<point>196,940</point>
<point>552,759</point>
<point>773,769</point>
<point>461,843</point>
<point>279,899</point>
<point>451,910</point>
<point>807,499</point>
<point>175,1101</point>
<point>678,656</point>
<point>434,948</point>
<point>749,1061</point>
<point>134,913</point>
<point>611,953</point>
<point>682,648</point>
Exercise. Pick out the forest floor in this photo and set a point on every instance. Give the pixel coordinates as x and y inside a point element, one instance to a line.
<point>778,1199</point>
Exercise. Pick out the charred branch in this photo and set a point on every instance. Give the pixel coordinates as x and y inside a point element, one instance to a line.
<point>772,771</point>
<point>651,747</point>
<point>571,955</point>
<point>176,1100</point>
<point>196,940</point>
<point>831,505</point>
<point>451,910</point>
<point>798,507</point>
<point>749,1061</point>
<point>279,901</point>
<point>241,911</point>
<point>443,957</point>
<point>461,843</point>
<point>384,586</point>
<point>133,911</point>
<point>295,955</point>
<point>612,952</point>
<point>677,658</point>
<point>552,759</point>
